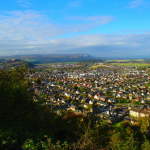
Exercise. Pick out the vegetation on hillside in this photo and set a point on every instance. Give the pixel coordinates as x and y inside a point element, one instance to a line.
<point>25,125</point>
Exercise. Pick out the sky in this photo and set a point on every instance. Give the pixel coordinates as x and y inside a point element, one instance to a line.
<point>110,28</point>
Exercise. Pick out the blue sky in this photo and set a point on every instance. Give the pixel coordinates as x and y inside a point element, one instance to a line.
<point>101,28</point>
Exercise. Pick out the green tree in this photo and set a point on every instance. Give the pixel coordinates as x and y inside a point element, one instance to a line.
<point>146,145</point>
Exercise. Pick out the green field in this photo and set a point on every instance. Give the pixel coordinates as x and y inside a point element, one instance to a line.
<point>131,64</point>
<point>31,60</point>
<point>125,60</point>
<point>96,66</point>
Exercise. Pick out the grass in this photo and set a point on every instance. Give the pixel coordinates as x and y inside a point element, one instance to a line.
<point>96,66</point>
<point>117,125</point>
<point>125,60</point>
<point>57,63</point>
<point>131,64</point>
<point>30,60</point>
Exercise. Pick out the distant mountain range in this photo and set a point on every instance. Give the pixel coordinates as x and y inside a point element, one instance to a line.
<point>32,60</point>
<point>51,58</point>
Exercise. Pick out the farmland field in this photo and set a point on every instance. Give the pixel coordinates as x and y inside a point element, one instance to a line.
<point>132,64</point>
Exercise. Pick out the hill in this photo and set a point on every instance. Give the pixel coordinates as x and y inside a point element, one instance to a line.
<point>13,63</point>
<point>51,58</point>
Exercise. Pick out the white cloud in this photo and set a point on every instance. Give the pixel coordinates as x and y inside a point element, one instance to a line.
<point>27,32</point>
<point>26,25</point>
<point>84,23</point>
<point>75,3</point>
<point>104,45</point>
<point>100,19</point>
<point>108,45</point>
<point>34,26</point>
<point>24,3</point>
<point>135,3</point>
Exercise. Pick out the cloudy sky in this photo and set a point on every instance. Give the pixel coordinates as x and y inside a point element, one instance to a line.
<point>118,28</point>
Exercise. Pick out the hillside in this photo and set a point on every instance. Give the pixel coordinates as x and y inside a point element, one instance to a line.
<point>12,63</point>
<point>51,58</point>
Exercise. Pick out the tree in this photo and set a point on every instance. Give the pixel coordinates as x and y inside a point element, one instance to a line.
<point>146,145</point>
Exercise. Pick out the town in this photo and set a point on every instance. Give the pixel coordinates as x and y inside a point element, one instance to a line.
<point>111,92</point>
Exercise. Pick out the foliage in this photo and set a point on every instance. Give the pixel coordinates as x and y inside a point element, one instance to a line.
<point>146,145</point>
<point>25,125</point>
